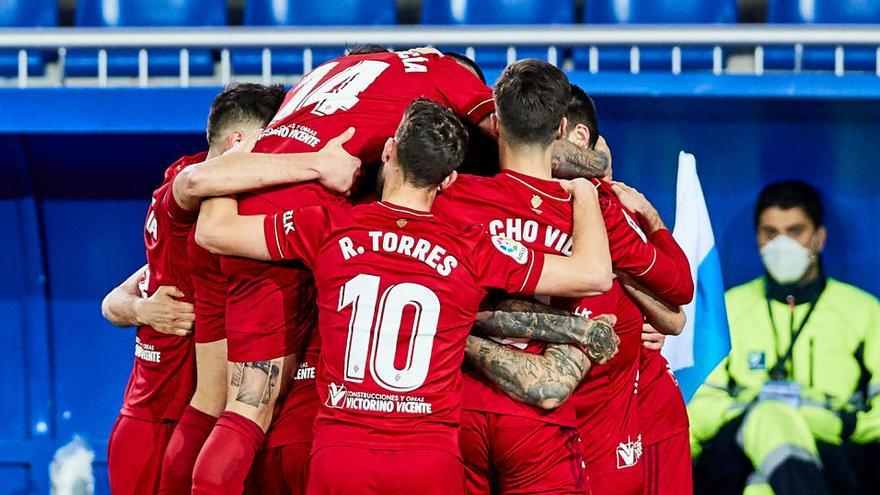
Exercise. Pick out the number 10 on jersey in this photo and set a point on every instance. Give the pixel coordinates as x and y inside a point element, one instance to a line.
<point>376,320</point>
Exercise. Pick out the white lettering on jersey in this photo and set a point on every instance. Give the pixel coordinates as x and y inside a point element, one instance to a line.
<point>635,226</point>
<point>146,352</point>
<point>391,242</point>
<point>152,226</point>
<point>527,231</point>
<point>339,397</point>
<point>629,452</point>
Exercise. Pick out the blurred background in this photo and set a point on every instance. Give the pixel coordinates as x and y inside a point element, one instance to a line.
<point>758,90</point>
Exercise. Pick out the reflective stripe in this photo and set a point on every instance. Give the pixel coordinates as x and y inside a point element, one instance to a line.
<point>757,478</point>
<point>873,391</point>
<point>784,453</point>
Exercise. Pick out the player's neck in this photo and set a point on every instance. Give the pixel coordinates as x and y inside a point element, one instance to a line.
<point>213,152</point>
<point>405,195</point>
<point>533,161</point>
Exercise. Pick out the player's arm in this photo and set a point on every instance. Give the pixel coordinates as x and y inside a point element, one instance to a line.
<point>665,318</point>
<point>570,161</point>
<point>516,318</point>
<point>542,380</point>
<point>654,259</point>
<point>588,270</point>
<point>221,230</point>
<point>124,307</point>
<point>240,171</point>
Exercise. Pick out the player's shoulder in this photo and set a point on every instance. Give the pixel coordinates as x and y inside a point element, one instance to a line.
<point>469,184</point>
<point>183,162</point>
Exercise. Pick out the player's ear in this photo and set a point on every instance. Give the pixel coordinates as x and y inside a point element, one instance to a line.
<point>494,124</point>
<point>563,129</point>
<point>232,139</point>
<point>448,181</point>
<point>580,135</point>
<point>388,150</point>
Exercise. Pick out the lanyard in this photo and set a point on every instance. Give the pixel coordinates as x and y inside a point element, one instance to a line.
<point>779,372</point>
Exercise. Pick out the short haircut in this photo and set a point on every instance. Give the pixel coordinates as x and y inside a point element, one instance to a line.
<point>531,98</point>
<point>366,49</point>
<point>243,104</point>
<point>467,62</point>
<point>431,143</point>
<point>582,110</point>
<point>791,194</point>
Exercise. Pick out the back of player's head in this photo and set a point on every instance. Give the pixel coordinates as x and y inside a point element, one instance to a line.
<point>431,143</point>
<point>582,111</point>
<point>467,62</point>
<point>366,49</point>
<point>243,105</point>
<point>531,98</point>
<point>789,194</point>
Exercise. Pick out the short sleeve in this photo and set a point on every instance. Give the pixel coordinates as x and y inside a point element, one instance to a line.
<point>506,264</point>
<point>296,234</point>
<point>469,97</point>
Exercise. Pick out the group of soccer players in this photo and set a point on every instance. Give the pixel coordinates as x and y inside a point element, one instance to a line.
<point>478,334</point>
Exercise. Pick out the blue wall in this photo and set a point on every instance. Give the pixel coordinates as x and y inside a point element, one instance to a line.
<point>74,183</point>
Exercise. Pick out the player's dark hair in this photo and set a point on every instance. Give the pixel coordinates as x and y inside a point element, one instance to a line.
<point>467,62</point>
<point>582,110</point>
<point>789,194</point>
<point>244,103</point>
<point>531,98</point>
<point>366,49</point>
<point>431,143</point>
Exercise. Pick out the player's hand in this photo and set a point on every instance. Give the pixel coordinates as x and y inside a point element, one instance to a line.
<point>632,199</point>
<point>338,168</point>
<point>651,338</point>
<point>580,187</point>
<point>165,314</point>
<point>602,147</point>
<point>599,340</point>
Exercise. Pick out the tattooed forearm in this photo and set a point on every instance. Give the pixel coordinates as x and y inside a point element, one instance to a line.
<point>514,318</point>
<point>255,381</point>
<point>544,380</point>
<point>570,161</point>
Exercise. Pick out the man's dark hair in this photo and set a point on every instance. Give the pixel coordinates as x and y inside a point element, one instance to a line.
<point>582,110</point>
<point>531,98</point>
<point>467,62</point>
<point>244,103</point>
<point>431,143</point>
<point>791,194</point>
<point>366,49</point>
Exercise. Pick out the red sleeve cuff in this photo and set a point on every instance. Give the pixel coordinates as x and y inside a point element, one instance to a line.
<point>536,266</point>
<point>272,233</point>
<point>178,214</point>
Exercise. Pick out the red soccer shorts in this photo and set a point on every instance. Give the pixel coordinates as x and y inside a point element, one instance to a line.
<point>618,472</point>
<point>514,455</point>
<point>668,466</point>
<point>361,471</point>
<point>134,455</point>
<point>280,471</point>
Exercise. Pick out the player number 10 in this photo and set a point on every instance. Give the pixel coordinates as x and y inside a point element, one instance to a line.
<point>362,293</point>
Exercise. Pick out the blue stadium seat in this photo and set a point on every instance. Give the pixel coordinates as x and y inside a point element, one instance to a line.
<point>481,12</point>
<point>822,12</point>
<point>654,12</point>
<point>145,13</point>
<point>307,13</point>
<point>26,13</point>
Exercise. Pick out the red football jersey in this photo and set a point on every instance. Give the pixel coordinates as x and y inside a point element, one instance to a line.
<point>533,211</point>
<point>209,291</point>
<point>398,291</point>
<point>163,377</point>
<point>369,92</point>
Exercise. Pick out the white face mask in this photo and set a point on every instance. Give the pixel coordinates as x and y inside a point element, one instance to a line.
<point>785,259</point>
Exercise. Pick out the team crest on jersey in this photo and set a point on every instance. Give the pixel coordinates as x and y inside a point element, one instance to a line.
<point>635,226</point>
<point>401,223</point>
<point>335,394</point>
<point>511,248</point>
<point>629,452</point>
<point>536,203</point>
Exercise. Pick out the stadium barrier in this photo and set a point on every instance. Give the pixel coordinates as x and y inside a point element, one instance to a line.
<point>225,39</point>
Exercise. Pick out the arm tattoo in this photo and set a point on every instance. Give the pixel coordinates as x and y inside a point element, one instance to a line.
<point>256,381</point>
<point>544,380</point>
<point>515,318</point>
<point>570,161</point>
